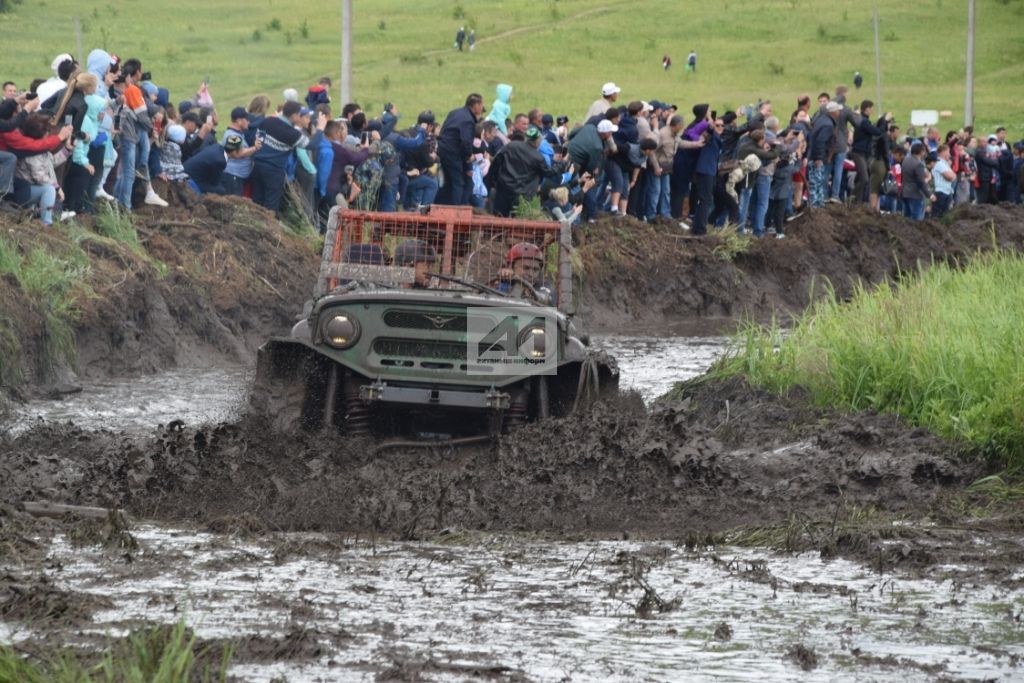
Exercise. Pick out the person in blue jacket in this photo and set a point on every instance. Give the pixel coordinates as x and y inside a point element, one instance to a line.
<point>704,175</point>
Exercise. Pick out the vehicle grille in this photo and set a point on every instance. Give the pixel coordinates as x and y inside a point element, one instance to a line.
<point>419,348</point>
<point>419,320</point>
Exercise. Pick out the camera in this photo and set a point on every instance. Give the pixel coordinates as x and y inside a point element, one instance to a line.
<point>146,76</point>
<point>80,135</point>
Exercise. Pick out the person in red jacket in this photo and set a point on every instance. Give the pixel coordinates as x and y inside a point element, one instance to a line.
<point>14,144</point>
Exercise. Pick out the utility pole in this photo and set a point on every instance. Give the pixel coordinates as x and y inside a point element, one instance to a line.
<point>346,51</point>
<point>878,66</point>
<point>78,38</point>
<point>969,94</point>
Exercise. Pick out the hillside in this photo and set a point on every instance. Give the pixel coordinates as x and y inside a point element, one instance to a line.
<point>556,54</point>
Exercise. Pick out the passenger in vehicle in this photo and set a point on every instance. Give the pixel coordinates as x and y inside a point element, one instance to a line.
<point>419,255</point>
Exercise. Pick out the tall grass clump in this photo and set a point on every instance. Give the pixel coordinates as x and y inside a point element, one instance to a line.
<point>944,348</point>
<point>156,655</point>
<point>52,281</point>
<point>117,224</point>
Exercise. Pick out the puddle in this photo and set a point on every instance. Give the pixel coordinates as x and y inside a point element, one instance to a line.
<point>651,365</point>
<point>195,396</point>
<point>550,609</point>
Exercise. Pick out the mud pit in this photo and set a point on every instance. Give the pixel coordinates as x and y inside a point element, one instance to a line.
<point>532,561</point>
<point>728,535</point>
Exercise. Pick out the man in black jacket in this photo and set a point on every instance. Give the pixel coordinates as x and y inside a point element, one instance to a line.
<point>864,135</point>
<point>518,171</point>
<point>455,151</point>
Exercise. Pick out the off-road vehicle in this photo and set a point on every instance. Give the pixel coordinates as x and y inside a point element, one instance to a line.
<point>389,343</point>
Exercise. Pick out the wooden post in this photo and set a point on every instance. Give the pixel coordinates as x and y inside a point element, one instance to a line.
<point>969,88</point>
<point>346,51</point>
<point>878,67</point>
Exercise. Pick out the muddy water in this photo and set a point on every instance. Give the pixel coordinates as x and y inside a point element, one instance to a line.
<point>648,364</point>
<point>339,609</point>
<point>195,396</point>
<point>591,610</point>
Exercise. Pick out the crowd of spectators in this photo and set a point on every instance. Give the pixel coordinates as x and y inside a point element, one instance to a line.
<point>104,130</point>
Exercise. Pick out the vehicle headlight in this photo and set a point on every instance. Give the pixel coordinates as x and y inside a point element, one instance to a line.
<point>533,343</point>
<point>341,331</point>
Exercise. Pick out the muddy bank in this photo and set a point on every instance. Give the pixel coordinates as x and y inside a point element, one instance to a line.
<point>207,281</point>
<point>652,275</point>
<point>211,278</point>
<point>726,456</point>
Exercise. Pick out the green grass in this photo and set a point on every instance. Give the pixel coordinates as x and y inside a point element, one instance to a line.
<point>52,283</point>
<point>558,57</point>
<point>118,225</point>
<point>156,655</point>
<point>942,348</point>
<point>731,243</point>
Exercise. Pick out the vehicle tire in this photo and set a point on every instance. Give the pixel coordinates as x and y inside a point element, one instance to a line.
<point>280,391</point>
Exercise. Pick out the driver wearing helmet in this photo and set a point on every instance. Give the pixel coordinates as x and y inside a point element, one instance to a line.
<point>419,255</point>
<point>524,273</point>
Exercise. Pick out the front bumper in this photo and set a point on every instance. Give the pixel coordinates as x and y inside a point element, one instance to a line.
<point>382,392</point>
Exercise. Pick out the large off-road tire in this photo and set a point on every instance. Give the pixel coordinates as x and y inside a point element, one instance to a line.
<point>283,392</point>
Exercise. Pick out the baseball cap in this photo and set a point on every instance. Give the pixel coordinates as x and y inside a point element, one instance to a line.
<point>610,88</point>
<point>232,143</point>
<point>606,126</point>
<point>533,132</point>
<point>646,107</point>
<point>993,138</point>
<point>833,106</point>
<point>547,119</point>
<point>239,113</point>
<point>305,111</point>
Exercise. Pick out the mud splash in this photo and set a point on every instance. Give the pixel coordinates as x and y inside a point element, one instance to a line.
<point>727,455</point>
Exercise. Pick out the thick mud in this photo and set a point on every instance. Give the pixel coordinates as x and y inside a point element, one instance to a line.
<point>725,456</point>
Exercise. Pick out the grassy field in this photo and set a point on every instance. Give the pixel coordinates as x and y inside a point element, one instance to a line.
<point>556,53</point>
<point>943,349</point>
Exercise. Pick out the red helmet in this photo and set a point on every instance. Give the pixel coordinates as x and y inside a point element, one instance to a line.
<point>525,250</point>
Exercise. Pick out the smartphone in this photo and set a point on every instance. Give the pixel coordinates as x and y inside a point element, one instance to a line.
<point>209,120</point>
<point>67,120</point>
<point>366,138</point>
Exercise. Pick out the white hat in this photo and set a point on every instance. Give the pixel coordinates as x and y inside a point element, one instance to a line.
<point>176,133</point>
<point>609,89</point>
<point>646,106</point>
<point>291,95</point>
<point>58,60</point>
<point>833,106</point>
<point>606,126</point>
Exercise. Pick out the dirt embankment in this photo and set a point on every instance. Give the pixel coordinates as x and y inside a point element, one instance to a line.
<point>651,275</point>
<point>211,278</point>
<point>207,282</point>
